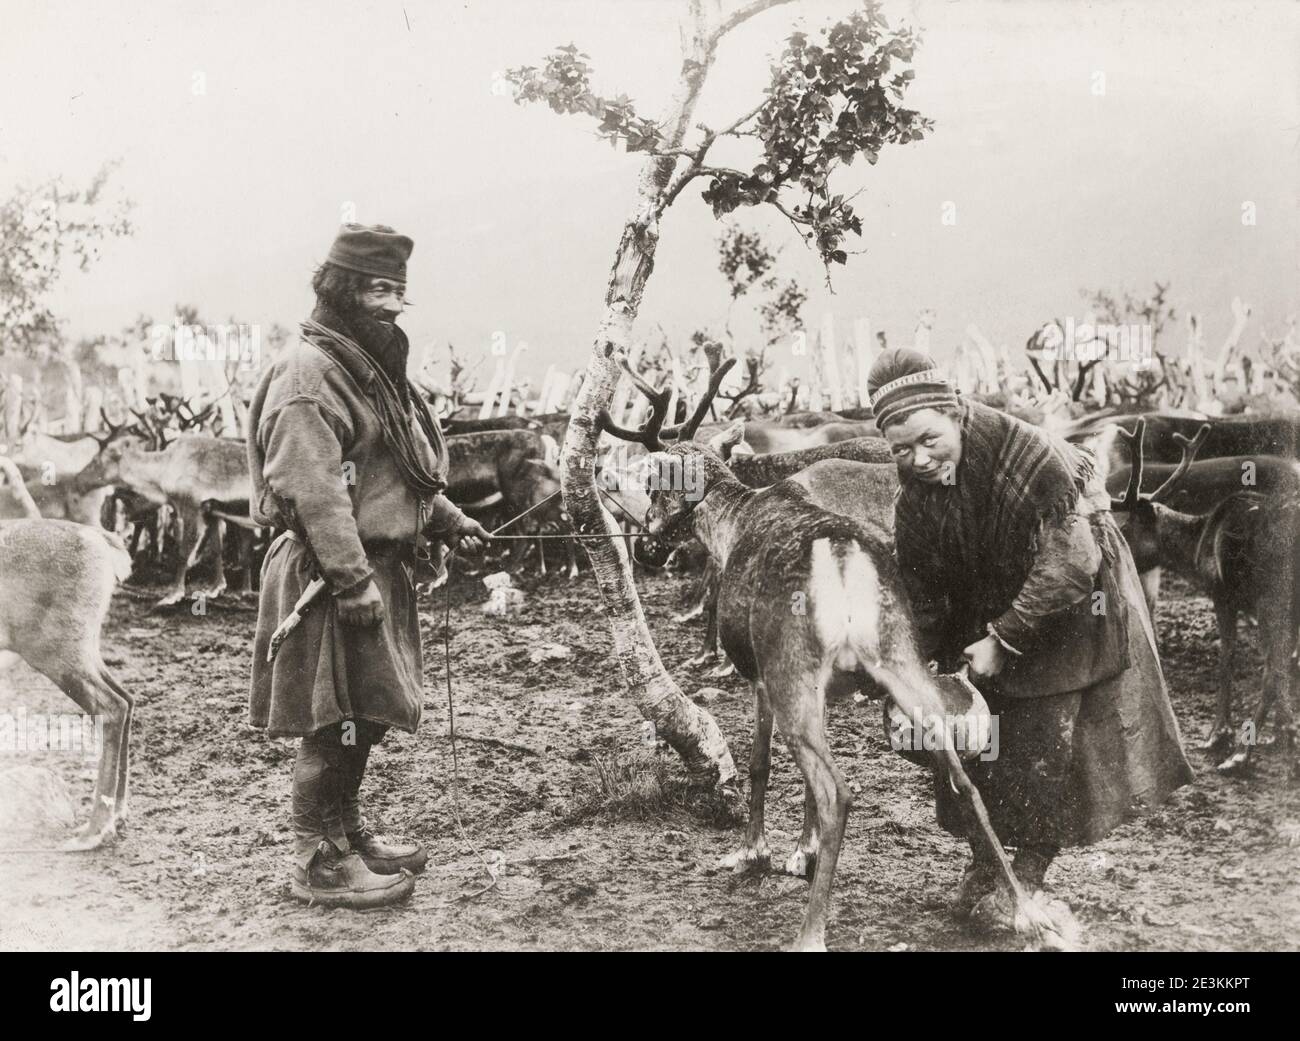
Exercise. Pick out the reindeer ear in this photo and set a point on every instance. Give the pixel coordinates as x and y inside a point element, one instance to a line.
<point>724,442</point>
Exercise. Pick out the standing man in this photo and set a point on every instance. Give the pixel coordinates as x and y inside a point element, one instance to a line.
<point>345,457</point>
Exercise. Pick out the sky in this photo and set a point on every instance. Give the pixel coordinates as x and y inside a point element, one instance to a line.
<point>246,132</point>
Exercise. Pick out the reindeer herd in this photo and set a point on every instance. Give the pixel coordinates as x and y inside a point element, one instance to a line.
<point>799,502</point>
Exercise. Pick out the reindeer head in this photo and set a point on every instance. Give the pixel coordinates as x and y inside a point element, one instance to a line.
<point>106,467</point>
<point>673,481</point>
<point>677,480</point>
<point>1136,511</point>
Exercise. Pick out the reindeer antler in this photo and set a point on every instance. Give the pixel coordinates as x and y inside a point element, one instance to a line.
<point>687,430</point>
<point>648,433</point>
<point>113,429</point>
<point>152,433</point>
<point>1134,441</point>
<point>1132,494</point>
<point>196,419</point>
<point>794,395</point>
<point>1189,449</point>
<point>750,387</point>
<point>651,433</point>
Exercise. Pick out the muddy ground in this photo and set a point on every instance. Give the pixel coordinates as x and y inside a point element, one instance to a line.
<point>581,863</point>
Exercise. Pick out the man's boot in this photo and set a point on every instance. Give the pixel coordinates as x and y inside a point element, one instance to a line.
<point>385,857</point>
<point>335,879</point>
<point>381,855</point>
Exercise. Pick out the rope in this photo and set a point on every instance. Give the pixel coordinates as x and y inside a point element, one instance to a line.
<point>451,700</point>
<point>357,363</point>
<point>455,759</point>
<point>575,535</point>
<point>534,506</point>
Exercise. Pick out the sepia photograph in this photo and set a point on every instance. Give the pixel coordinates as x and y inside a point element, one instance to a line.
<point>650,475</point>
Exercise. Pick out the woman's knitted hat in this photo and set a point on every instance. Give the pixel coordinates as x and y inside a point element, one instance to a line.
<point>902,381</point>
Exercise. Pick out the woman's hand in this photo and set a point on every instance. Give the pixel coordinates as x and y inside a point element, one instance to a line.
<point>986,656</point>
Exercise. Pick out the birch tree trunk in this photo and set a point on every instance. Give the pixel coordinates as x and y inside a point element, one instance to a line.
<point>690,730</point>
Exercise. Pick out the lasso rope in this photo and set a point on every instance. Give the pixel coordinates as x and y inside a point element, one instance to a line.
<point>451,699</point>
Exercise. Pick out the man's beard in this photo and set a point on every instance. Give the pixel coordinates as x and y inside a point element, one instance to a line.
<point>380,324</point>
<point>376,332</point>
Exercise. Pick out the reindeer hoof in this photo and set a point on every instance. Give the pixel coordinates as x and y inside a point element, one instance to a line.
<point>802,863</point>
<point>747,858</point>
<point>171,599</point>
<point>1236,765</point>
<point>87,838</point>
<point>723,671</point>
<point>700,660</point>
<point>1220,740</point>
<point>809,944</point>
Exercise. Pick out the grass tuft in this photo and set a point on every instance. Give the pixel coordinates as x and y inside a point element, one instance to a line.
<point>640,786</point>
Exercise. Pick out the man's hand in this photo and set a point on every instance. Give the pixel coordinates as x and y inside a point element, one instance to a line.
<point>470,537</point>
<point>986,657</point>
<point>364,607</point>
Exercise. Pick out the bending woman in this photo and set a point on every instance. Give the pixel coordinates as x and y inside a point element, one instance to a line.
<point>1014,565</point>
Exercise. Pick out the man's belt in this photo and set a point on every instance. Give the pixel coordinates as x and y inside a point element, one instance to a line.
<point>379,549</point>
<point>390,549</point>
<point>375,549</point>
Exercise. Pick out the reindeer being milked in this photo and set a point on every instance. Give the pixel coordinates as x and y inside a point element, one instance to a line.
<point>811,604</point>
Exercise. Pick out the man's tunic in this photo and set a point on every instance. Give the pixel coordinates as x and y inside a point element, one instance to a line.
<point>321,469</point>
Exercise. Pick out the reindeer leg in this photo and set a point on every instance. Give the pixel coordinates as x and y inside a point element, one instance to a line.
<point>704,592</point>
<point>723,670</point>
<point>802,861</point>
<point>216,528</point>
<point>245,537</point>
<point>1151,588</point>
<point>1030,919</point>
<point>571,548</point>
<point>708,607</point>
<point>691,613</point>
<point>189,521</point>
<point>1220,737</point>
<point>801,720</point>
<point>88,686</point>
<point>1277,669</point>
<point>726,667</point>
<point>517,555</point>
<point>754,853</point>
<point>124,750</point>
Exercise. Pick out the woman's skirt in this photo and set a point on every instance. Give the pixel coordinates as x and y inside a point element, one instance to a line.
<point>1072,766</point>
